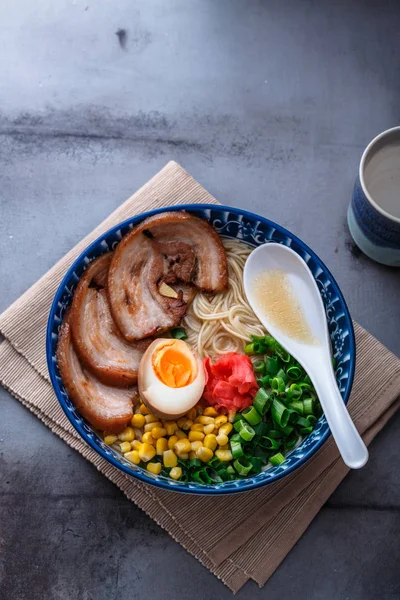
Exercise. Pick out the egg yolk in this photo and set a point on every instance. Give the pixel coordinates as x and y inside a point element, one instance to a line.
<point>173,367</point>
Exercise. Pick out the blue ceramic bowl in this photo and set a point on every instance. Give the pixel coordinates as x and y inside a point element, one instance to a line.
<point>255,230</point>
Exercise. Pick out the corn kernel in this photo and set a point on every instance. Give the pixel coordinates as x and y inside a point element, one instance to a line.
<point>192,414</point>
<point>210,441</point>
<point>175,473</point>
<point>169,458</point>
<point>127,435</point>
<point>138,421</point>
<point>222,439</point>
<point>184,456</point>
<point>147,438</point>
<point>192,454</point>
<point>146,452</point>
<point>199,409</point>
<point>172,441</point>
<point>209,428</point>
<point>180,434</point>
<point>224,447</point>
<point>161,445</point>
<point>224,455</point>
<point>197,427</point>
<point>158,432</point>
<point>110,439</point>
<point>204,454</point>
<point>220,420</point>
<point>170,426</point>
<point>195,436</point>
<point>133,457</point>
<point>205,420</point>
<point>182,446</point>
<point>150,418</point>
<point>210,412</point>
<point>135,444</point>
<point>125,447</point>
<point>226,429</point>
<point>196,445</point>
<point>185,423</point>
<point>152,425</point>
<point>144,410</point>
<point>154,467</point>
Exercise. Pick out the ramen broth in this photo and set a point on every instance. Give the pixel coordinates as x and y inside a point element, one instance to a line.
<point>276,298</point>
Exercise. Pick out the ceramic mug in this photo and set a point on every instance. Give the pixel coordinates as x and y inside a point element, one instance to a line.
<point>374,212</point>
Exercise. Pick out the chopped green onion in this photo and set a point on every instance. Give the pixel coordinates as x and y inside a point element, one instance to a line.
<point>294,373</point>
<point>194,463</point>
<point>236,448</point>
<point>235,438</point>
<point>259,367</point>
<point>280,413</point>
<point>293,415</point>
<point>230,470</point>
<point>283,355</point>
<point>261,453</point>
<point>256,464</point>
<point>260,429</point>
<point>295,390</point>
<point>277,459</point>
<point>311,419</point>
<point>214,462</point>
<point>274,433</point>
<point>249,349</point>
<point>269,443</point>
<point>306,430</point>
<point>306,387</point>
<point>248,447</point>
<point>246,431</point>
<point>201,476</point>
<point>242,465</point>
<point>223,474</point>
<point>237,417</point>
<point>272,365</point>
<point>265,381</point>
<point>308,406</point>
<point>302,422</point>
<point>251,415</point>
<point>278,385</point>
<point>262,401</point>
<point>281,373</point>
<point>213,475</point>
<point>286,431</point>
<point>297,405</point>
<point>178,333</point>
<point>291,440</point>
<point>238,423</point>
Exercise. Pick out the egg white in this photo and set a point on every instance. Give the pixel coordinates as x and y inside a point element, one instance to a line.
<point>164,401</point>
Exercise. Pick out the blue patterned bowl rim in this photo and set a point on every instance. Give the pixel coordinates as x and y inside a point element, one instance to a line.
<point>249,228</point>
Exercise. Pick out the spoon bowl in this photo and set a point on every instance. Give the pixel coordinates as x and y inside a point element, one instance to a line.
<point>313,353</point>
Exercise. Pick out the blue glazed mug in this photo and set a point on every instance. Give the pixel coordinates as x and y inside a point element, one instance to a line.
<point>374,212</point>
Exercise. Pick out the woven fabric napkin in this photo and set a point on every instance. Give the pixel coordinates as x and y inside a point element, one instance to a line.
<point>263,525</point>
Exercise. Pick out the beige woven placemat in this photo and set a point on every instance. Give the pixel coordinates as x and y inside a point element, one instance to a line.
<point>263,525</point>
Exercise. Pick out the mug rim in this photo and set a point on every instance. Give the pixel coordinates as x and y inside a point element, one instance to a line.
<point>361,172</point>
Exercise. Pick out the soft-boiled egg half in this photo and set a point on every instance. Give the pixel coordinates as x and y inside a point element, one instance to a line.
<point>171,378</point>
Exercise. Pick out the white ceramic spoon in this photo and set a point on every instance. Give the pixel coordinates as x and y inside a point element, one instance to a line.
<point>315,358</point>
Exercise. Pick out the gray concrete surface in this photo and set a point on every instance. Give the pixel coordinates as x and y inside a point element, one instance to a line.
<point>269,105</point>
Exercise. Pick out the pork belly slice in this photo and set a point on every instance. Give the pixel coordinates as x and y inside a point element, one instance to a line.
<point>97,340</point>
<point>106,408</point>
<point>175,248</point>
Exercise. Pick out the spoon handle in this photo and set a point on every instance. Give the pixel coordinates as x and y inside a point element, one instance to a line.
<point>349,442</point>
